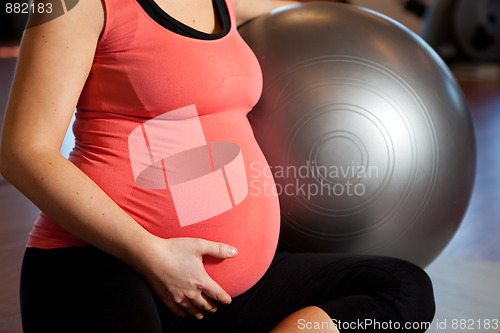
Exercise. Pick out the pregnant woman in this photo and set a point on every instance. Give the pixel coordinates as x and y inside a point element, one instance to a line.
<point>150,225</point>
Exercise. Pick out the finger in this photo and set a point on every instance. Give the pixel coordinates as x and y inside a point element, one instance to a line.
<point>176,309</point>
<point>169,301</point>
<point>218,250</point>
<point>213,306</point>
<point>203,302</point>
<point>200,301</point>
<point>215,292</point>
<point>191,308</point>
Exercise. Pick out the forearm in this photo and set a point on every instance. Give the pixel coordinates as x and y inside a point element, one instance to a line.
<point>75,202</point>
<point>173,267</point>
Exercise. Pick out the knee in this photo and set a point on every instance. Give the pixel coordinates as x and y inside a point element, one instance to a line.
<point>416,296</point>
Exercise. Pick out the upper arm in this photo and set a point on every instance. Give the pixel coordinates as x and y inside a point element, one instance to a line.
<point>249,9</point>
<point>54,62</point>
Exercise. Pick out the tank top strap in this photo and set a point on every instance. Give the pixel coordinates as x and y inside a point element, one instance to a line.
<point>232,13</point>
<point>121,17</point>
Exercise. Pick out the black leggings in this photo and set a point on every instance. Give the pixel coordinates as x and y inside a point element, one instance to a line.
<point>85,290</point>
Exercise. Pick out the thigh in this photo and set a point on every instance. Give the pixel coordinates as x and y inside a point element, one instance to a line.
<point>346,287</point>
<point>84,290</point>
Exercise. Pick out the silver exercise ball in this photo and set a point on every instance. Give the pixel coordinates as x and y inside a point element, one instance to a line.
<point>366,132</point>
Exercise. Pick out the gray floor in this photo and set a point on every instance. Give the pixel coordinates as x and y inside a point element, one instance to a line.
<point>465,289</point>
<point>466,276</point>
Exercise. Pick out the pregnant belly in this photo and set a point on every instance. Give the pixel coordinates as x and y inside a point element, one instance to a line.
<point>250,223</point>
<point>252,226</point>
<point>180,175</point>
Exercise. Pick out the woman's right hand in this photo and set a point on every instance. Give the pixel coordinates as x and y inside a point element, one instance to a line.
<point>174,269</point>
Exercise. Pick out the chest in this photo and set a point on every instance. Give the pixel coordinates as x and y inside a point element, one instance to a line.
<point>197,14</point>
<point>143,69</point>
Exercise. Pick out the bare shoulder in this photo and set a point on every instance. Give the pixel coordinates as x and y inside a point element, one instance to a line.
<point>55,58</point>
<point>249,9</point>
<point>86,16</point>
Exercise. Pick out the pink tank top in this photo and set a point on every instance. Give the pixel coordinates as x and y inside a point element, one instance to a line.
<point>161,127</point>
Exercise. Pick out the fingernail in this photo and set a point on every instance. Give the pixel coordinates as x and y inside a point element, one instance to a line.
<point>199,316</point>
<point>233,251</point>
